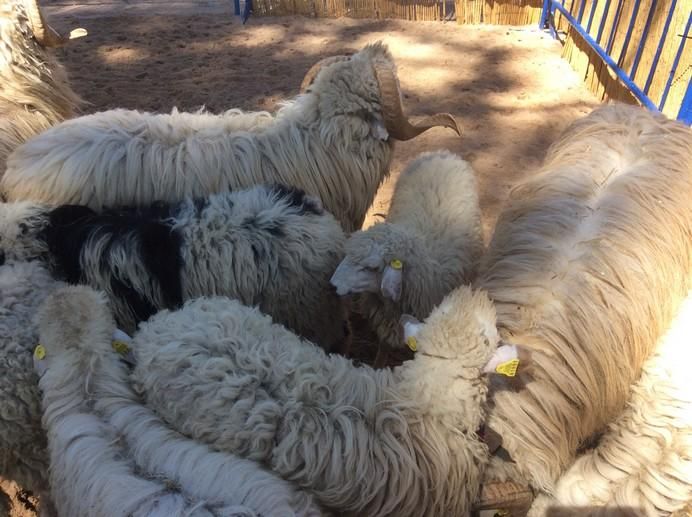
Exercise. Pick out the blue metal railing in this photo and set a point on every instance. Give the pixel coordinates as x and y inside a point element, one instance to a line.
<point>604,42</point>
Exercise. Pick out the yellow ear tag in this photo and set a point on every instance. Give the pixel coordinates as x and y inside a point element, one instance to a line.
<point>396,264</point>
<point>120,347</point>
<point>508,368</point>
<point>39,352</point>
<point>412,343</point>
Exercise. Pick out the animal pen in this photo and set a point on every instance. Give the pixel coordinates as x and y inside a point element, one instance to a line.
<point>629,50</point>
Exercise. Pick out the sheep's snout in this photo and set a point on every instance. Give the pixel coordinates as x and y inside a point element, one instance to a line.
<point>350,278</point>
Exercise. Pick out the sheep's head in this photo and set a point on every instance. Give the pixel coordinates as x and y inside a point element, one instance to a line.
<point>375,262</point>
<point>20,225</point>
<point>365,85</point>
<point>463,326</point>
<point>73,318</point>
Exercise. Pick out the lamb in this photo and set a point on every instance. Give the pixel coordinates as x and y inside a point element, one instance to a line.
<point>35,93</point>
<point>589,262</point>
<point>363,441</point>
<point>23,456</point>
<point>430,244</point>
<point>274,247</point>
<point>334,141</point>
<point>110,455</point>
<point>644,459</point>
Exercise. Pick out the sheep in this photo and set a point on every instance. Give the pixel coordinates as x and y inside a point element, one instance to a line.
<point>644,460</point>
<point>109,454</point>
<point>269,246</point>
<point>35,93</point>
<point>363,441</point>
<point>334,141</point>
<point>23,456</point>
<point>430,243</point>
<point>588,263</point>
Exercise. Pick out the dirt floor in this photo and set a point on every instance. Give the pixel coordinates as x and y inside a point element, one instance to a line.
<point>508,87</point>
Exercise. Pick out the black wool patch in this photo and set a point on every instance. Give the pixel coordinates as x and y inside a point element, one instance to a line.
<point>72,233</point>
<point>296,198</point>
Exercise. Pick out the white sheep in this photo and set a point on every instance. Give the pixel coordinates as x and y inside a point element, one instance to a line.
<point>644,460</point>
<point>363,441</point>
<point>34,90</point>
<point>430,244</point>
<point>23,456</point>
<point>589,261</point>
<point>273,247</point>
<point>334,141</point>
<point>112,456</point>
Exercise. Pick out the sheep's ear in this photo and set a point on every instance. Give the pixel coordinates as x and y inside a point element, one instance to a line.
<point>391,283</point>
<point>410,328</point>
<point>350,277</point>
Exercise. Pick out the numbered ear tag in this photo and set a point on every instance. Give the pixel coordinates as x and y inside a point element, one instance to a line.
<point>508,368</point>
<point>396,264</point>
<point>412,343</point>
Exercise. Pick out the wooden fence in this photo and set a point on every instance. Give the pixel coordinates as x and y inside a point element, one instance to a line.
<point>645,38</point>
<point>497,12</point>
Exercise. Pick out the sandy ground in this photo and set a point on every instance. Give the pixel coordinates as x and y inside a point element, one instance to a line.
<point>508,87</point>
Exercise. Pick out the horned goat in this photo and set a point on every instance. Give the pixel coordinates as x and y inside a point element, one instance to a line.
<point>430,244</point>
<point>644,460</point>
<point>334,141</point>
<point>274,247</point>
<point>363,441</point>
<point>588,264</point>
<point>34,90</point>
<point>23,455</point>
<point>110,455</point>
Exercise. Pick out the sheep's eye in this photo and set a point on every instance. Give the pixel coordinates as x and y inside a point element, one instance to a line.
<point>23,228</point>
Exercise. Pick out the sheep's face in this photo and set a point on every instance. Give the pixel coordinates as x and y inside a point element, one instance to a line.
<point>20,224</point>
<point>375,262</point>
<point>462,327</point>
<point>349,94</point>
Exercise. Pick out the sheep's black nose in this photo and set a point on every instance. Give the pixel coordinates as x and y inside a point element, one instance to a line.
<point>2,257</point>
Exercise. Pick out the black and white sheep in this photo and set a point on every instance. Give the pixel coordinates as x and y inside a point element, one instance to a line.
<point>272,247</point>
<point>34,90</point>
<point>430,244</point>
<point>110,455</point>
<point>589,262</point>
<point>334,141</point>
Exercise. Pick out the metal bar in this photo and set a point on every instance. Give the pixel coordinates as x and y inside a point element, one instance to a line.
<point>606,9</point>
<point>593,11</point>
<point>544,14</point>
<point>581,10</point>
<point>660,47</point>
<point>676,62</point>
<point>638,93</point>
<point>642,42</point>
<point>247,10</point>
<point>616,22</point>
<point>626,43</point>
<point>685,114</point>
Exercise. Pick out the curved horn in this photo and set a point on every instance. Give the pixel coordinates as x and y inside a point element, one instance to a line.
<point>315,69</point>
<point>397,124</point>
<point>46,35</point>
